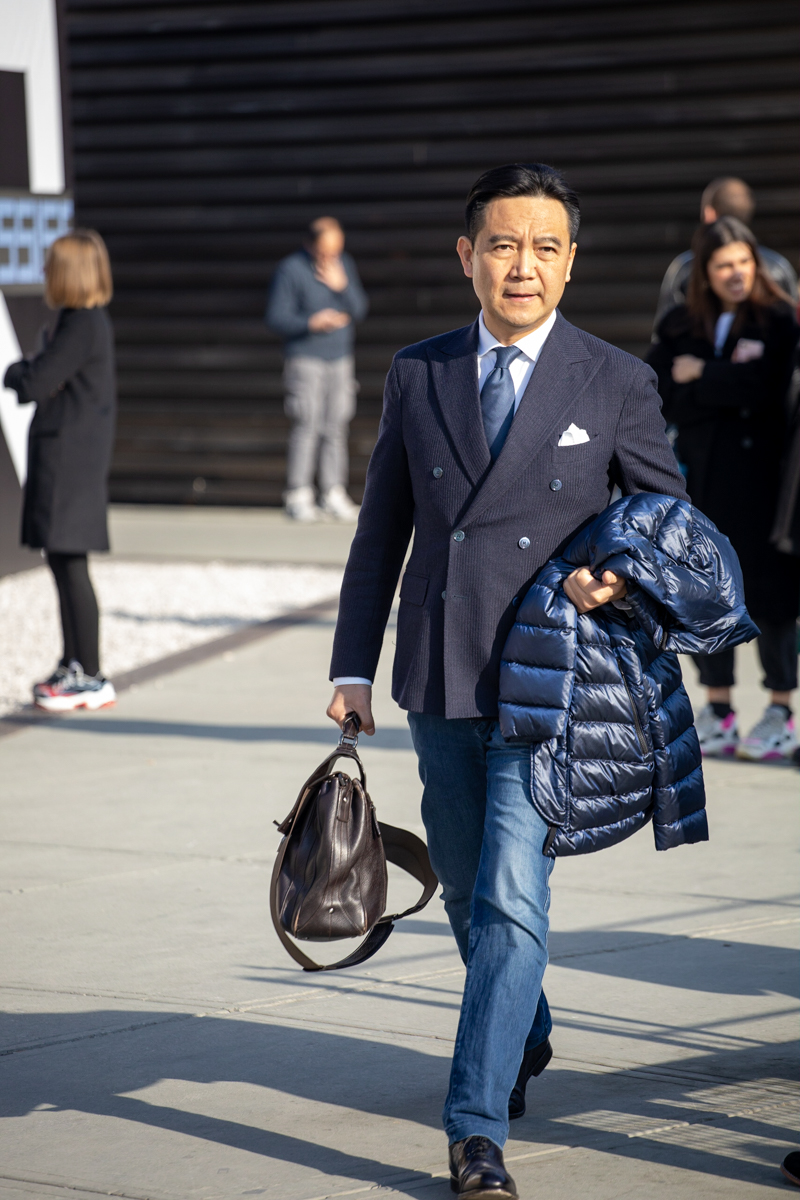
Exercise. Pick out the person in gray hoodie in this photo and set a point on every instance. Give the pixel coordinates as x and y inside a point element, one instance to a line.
<point>314,301</point>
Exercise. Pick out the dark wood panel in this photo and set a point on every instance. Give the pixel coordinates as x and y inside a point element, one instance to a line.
<point>208,135</point>
<point>623,146</point>
<point>550,25</point>
<point>700,79</point>
<point>716,112</point>
<point>510,59</point>
<point>370,186</point>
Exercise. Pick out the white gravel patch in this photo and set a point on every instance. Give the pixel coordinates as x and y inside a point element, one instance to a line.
<point>147,611</point>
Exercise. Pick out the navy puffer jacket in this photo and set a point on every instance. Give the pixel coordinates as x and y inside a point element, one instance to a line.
<point>601,693</point>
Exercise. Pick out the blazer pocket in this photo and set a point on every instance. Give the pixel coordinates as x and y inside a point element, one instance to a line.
<point>577,451</point>
<point>414,588</point>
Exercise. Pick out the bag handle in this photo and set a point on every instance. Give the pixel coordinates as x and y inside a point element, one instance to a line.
<point>401,847</point>
<point>341,751</point>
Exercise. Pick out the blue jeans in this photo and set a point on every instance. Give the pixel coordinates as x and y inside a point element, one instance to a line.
<point>485,842</point>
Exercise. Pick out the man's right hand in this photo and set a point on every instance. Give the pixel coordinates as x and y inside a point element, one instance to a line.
<point>353,698</point>
<point>326,320</point>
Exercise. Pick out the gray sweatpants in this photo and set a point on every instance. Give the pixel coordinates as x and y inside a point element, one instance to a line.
<point>321,401</point>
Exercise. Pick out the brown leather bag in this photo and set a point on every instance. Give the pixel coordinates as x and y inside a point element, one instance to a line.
<point>329,880</point>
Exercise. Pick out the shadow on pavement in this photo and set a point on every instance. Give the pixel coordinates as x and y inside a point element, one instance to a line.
<point>384,739</point>
<point>99,1075</point>
<point>694,963</point>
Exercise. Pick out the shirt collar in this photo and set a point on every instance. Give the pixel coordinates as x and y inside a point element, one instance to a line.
<point>530,345</point>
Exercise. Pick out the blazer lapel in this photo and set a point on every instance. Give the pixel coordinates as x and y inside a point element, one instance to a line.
<point>564,368</point>
<point>455,380</point>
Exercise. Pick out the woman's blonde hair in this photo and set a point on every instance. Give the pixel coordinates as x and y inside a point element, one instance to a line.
<point>77,273</point>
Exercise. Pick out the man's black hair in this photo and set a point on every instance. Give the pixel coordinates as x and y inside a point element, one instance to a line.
<point>520,179</point>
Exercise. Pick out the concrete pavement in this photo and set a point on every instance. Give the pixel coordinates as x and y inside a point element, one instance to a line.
<point>159,1044</point>
<point>155,531</point>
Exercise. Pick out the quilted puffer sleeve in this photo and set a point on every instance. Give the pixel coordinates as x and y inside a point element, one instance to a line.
<point>684,580</point>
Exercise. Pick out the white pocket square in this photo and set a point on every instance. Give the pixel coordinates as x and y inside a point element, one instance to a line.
<point>573,436</point>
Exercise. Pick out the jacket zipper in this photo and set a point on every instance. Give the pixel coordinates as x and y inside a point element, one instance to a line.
<point>636,721</point>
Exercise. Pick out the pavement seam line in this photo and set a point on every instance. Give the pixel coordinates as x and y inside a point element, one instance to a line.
<point>435,1177</point>
<point>29,717</point>
<point>660,939</point>
<point>76,1187</point>
<point>712,1118</point>
<point>315,994</point>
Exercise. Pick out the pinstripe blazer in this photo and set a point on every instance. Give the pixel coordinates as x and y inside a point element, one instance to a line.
<point>482,531</point>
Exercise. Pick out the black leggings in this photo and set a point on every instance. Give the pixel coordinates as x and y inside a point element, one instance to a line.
<point>777,649</point>
<point>79,617</point>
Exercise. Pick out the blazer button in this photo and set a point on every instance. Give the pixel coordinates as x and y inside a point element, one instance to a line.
<point>555,485</point>
<point>437,472</point>
<point>524,543</point>
<point>747,443</point>
<point>459,535</point>
<point>444,595</point>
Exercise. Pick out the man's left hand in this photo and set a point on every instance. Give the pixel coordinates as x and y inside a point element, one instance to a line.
<point>587,593</point>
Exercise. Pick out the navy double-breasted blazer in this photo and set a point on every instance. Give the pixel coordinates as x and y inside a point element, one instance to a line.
<point>482,531</point>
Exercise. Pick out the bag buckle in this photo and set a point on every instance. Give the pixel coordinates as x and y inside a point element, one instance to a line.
<point>350,728</point>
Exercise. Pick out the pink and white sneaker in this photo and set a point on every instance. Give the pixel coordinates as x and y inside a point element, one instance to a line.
<point>718,736</point>
<point>61,679</point>
<point>772,739</point>
<point>76,691</point>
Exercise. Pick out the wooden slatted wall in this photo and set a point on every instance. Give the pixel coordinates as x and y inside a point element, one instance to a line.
<point>207,135</point>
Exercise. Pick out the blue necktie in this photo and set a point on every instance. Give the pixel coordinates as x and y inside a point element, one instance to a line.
<point>497,399</point>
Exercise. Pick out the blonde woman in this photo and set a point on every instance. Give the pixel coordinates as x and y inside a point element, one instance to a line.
<point>69,454</point>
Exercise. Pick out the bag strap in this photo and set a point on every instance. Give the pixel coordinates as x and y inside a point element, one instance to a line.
<point>402,848</point>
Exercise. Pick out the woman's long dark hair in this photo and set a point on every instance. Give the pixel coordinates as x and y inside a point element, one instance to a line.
<point>703,303</point>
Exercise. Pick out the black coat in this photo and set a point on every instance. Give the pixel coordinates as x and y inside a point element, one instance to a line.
<point>482,531</point>
<point>72,433</point>
<point>732,430</point>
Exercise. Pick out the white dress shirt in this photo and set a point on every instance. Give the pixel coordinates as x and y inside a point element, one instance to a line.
<point>721,331</point>
<point>521,370</point>
<point>521,367</point>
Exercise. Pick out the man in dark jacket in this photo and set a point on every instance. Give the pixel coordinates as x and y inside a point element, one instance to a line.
<point>498,441</point>
<point>728,197</point>
<point>315,298</point>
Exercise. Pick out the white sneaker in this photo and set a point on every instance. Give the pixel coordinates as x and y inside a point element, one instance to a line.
<point>81,691</point>
<point>336,503</point>
<point>300,505</point>
<point>718,736</point>
<point>773,737</point>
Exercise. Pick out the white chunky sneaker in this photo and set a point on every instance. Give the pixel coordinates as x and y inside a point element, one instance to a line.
<point>81,691</point>
<point>300,505</point>
<point>718,736</point>
<point>773,737</point>
<point>336,503</point>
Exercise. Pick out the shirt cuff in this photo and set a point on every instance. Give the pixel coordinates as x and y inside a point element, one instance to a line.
<point>343,680</point>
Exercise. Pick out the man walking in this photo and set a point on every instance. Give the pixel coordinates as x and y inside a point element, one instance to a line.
<point>727,197</point>
<point>315,298</point>
<point>498,441</point>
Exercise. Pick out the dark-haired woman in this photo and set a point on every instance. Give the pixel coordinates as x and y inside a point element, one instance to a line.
<point>724,361</point>
<point>69,454</point>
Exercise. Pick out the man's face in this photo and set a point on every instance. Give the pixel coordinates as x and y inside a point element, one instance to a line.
<point>519,263</point>
<point>328,246</point>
